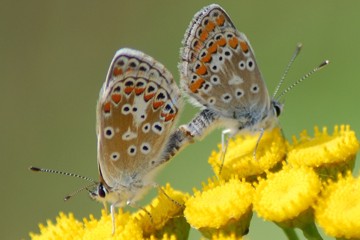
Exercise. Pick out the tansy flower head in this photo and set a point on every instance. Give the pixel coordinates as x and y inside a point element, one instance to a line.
<point>286,194</point>
<point>67,227</point>
<point>166,211</point>
<point>166,222</point>
<point>126,227</point>
<point>239,157</point>
<point>222,207</point>
<point>338,209</point>
<point>327,154</point>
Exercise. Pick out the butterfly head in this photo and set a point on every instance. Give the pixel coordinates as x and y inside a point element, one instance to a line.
<point>277,108</point>
<point>102,193</point>
<point>99,192</point>
<point>270,120</point>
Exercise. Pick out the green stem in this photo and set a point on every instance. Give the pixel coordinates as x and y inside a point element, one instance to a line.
<point>290,233</point>
<point>311,232</point>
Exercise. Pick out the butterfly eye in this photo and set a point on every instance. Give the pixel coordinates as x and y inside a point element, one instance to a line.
<point>277,109</point>
<point>101,191</point>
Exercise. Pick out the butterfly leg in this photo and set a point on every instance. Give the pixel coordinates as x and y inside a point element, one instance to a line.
<point>105,207</point>
<point>224,145</point>
<point>262,130</point>
<point>112,210</point>
<point>167,196</point>
<point>134,205</point>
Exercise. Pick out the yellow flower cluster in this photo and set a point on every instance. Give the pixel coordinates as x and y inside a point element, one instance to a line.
<point>304,184</point>
<point>338,209</point>
<point>289,183</point>
<point>222,207</point>
<point>239,158</point>
<point>166,222</point>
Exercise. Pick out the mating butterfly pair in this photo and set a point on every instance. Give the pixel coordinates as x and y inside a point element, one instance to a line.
<point>139,104</point>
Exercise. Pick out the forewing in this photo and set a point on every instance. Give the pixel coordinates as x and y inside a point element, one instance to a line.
<point>138,105</point>
<point>218,66</point>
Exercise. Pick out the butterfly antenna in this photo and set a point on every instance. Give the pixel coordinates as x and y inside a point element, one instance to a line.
<point>36,169</point>
<point>323,64</point>
<point>79,190</point>
<point>295,54</point>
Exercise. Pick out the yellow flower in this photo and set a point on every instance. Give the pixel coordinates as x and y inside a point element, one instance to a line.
<point>166,213</point>
<point>222,236</point>
<point>222,207</point>
<point>164,237</point>
<point>239,157</point>
<point>102,229</point>
<point>67,227</point>
<point>286,195</point>
<point>327,154</point>
<point>338,209</point>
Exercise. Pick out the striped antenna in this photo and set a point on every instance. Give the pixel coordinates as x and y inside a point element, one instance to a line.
<point>36,169</point>
<point>322,65</point>
<point>93,183</point>
<point>295,54</point>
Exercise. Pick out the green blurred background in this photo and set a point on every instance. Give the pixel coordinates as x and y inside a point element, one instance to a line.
<point>54,58</point>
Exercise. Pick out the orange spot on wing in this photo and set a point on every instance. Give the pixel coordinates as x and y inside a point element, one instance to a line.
<point>204,35</point>
<point>107,106</point>
<point>233,42</point>
<point>139,91</point>
<point>149,96</point>
<point>221,42</point>
<point>207,58</point>
<point>158,104</point>
<point>212,48</point>
<point>196,85</point>
<point>169,117</point>
<point>128,90</point>
<point>244,46</point>
<point>117,71</point>
<point>201,70</point>
<point>116,98</point>
<point>220,20</point>
<point>210,26</point>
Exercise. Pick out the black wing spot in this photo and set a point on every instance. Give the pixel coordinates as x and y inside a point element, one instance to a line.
<point>132,65</point>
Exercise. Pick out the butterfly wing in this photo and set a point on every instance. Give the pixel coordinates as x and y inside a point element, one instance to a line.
<point>137,108</point>
<point>218,67</point>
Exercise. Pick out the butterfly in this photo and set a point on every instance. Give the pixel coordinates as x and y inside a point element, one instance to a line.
<point>137,109</point>
<point>220,74</point>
